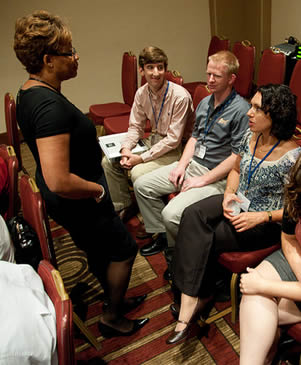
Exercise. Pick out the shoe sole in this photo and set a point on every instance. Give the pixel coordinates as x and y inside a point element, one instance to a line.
<point>151,254</point>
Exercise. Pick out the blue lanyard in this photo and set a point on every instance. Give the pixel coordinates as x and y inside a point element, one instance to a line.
<point>251,172</point>
<point>217,115</point>
<point>163,101</point>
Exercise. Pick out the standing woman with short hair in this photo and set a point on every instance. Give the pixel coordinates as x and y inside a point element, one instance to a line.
<point>68,157</point>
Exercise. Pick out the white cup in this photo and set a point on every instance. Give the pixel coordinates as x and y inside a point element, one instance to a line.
<point>235,207</point>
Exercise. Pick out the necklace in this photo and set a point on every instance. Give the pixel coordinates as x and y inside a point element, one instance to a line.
<point>46,83</point>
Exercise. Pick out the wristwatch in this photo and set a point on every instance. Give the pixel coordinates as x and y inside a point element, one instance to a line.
<point>270,216</point>
<point>98,198</point>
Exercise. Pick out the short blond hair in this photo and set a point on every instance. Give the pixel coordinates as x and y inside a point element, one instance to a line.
<point>228,59</point>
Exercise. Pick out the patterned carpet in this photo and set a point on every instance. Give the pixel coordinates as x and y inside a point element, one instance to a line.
<point>216,342</point>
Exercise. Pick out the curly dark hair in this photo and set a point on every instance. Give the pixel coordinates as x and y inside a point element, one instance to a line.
<point>292,192</point>
<point>280,103</point>
<point>38,34</point>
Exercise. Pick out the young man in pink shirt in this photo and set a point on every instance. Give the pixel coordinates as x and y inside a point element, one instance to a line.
<point>169,109</point>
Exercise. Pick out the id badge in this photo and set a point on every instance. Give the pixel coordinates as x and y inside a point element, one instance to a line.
<point>200,151</point>
<point>245,202</point>
<point>155,137</point>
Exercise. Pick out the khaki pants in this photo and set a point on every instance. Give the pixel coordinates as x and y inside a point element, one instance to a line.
<point>117,177</point>
<point>158,217</point>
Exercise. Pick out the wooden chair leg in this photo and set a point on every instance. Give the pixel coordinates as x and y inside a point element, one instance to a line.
<point>233,290</point>
<point>88,334</point>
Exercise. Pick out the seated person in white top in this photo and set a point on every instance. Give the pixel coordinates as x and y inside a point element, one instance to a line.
<point>27,317</point>
<point>169,109</point>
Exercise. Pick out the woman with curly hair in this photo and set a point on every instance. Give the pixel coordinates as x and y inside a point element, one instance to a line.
<point>211,227</point>
<point>64,144</point>
<point>272,291</point>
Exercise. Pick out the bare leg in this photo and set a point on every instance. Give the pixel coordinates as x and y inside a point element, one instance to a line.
<point>118,277</point>
<point>189,306</point>
<point>288,312</point>
<point>258,322</point>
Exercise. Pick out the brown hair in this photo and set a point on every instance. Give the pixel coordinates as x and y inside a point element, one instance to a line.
<point>292,192</point>
<point>152,55</point>
<point>38,34</point>
<point>228,59</point>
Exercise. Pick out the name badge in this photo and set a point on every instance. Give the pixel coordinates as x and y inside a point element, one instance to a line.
<point>245,202</point>
<point>200,151</point>
<point>155,138</point>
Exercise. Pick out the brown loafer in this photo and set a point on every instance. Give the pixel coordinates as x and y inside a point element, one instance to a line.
<point>177,336</point>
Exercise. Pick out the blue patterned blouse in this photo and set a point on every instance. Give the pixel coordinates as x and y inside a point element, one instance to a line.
<point>266,187</point>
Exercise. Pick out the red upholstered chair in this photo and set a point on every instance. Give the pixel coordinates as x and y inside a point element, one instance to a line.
<point>200,93</point>
<point>121,124</point>
<point>174,76</point>
<point>55,289</point>
<point>295,332</point>
<point>271,68</point>
<point>216,44</point>
<point>12,128</point>
<point>237,262</point>
<point>245,54</point>
<point>295,86</point>
<point>35,214</point>
<point>9,156</point>
<point>98,112</point>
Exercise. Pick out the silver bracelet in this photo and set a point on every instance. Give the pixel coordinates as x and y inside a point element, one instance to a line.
<point>99,197</point>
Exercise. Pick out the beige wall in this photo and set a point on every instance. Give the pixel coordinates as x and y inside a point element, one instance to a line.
<point>243,20</point>
<point>285,20</point>
<point>102,31</point>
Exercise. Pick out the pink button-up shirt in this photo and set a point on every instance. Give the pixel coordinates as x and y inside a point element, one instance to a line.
<point>175,123</point>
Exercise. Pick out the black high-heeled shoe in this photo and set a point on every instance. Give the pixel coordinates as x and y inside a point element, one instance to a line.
<point>128,306</point>
<point>177,336</point>
<point>109,332</point>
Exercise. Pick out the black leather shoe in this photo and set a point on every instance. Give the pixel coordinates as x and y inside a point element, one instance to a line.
<point>109,332</point>
<point>155,246</point>
<point>167,275</point>
<point>127,307</point>
<point>175,310</point>
<point>177,336</point>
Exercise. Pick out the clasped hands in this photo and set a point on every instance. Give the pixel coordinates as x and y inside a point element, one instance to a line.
<point>128,159</point>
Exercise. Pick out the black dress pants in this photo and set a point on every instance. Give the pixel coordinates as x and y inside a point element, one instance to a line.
<point>204,234</point>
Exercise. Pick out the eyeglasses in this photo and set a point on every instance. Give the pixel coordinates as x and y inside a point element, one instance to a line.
<point>66,54</point>
<point>256,108</point>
